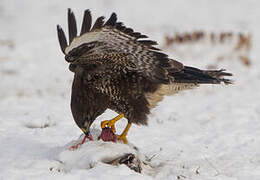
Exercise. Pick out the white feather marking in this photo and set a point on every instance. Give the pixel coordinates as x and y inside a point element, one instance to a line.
<point>105,34</point>
<point>167,90</point>
<point>84,38</point>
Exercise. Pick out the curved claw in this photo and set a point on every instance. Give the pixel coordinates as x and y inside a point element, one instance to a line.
<point>108,124</point>
<point>122,138</point>
<point>111,123</point>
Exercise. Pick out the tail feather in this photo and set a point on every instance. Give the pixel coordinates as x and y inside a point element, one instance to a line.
<point>187,78</point>
<point>197,76</point>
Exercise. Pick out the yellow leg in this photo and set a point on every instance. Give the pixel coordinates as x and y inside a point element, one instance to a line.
<point>124,133</point>
<point>111,123</point>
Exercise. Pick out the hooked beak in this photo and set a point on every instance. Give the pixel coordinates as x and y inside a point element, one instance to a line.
<point>85,131</point>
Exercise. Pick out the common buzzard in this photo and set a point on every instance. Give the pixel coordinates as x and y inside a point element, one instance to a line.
<point>117,68</point>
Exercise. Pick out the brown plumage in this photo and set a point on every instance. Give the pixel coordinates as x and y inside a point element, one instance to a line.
<point>116,68</point>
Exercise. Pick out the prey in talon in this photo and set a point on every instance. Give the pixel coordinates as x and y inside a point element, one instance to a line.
<point>107,134</point>
<point>109,130</point>
<point>117,68</point>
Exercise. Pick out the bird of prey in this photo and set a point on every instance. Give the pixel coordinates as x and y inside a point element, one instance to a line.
<point>117,68</point>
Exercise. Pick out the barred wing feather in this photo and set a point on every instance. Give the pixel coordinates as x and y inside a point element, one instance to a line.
<point>113,42</point>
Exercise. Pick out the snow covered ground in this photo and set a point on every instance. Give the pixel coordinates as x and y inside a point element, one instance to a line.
<point>208,133</point>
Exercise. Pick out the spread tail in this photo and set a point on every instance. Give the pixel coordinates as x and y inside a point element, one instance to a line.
<point>197,76</point>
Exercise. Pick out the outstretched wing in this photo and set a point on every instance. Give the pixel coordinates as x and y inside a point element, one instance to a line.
<point>112,42</point>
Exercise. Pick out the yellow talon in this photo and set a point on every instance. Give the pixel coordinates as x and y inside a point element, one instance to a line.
<point>111,123</point>
<point>124,133</point>
<point>122,138</point>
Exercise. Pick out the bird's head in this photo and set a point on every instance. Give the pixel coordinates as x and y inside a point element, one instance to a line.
<point>79,54</point>
<point>78,50</point>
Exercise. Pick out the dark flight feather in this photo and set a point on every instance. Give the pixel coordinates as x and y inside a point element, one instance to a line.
<point>128,31</point>
<point>99,23</point>
<point>148,42</point>
<point>197,76</point>
<point>72,25</point>
<point>86,23</point>
<point>138,35</point>
<point>120,26</point>
<point>62,39</point>
<point>112,20</point>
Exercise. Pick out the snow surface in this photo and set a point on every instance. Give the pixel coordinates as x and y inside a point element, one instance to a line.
<point>210,133</point>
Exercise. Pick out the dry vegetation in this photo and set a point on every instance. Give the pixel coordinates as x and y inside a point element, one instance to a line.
<point>239,44</point>
<point>6,43</point>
